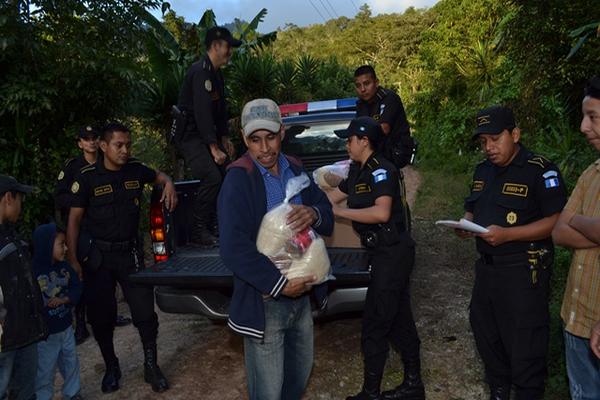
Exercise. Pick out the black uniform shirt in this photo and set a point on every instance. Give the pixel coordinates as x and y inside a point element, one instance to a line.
<point>528,189</point>
<point>111,199</point>
<point>62,191</point>
<point>386,107</point>
<point>378,177</point>
<point>202,97</point>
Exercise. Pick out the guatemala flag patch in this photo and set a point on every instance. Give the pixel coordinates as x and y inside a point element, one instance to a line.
<point>379,175</point>
<point>551,182</point>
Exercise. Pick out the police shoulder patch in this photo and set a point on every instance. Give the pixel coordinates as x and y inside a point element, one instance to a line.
<point>379,175</point>
<point>478,186</point>
<point>61,175</point>
<point>75,187</point>
<point>208,85</point>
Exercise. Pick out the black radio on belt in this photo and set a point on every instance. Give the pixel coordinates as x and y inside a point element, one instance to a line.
<point>383,234</point>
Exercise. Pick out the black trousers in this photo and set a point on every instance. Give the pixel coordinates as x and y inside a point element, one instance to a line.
<point>102,304</point>
<point>510,321</point>
<point>200,161</point>
<point>388,317</point>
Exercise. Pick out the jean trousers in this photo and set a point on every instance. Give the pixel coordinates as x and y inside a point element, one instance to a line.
<point>59,350</point>
<point>17,373</point>
<point>279,365</point>
<point>583,368</point>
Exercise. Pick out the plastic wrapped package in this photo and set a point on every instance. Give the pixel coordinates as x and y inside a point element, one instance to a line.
<point>295,254</point>
<point>330,176</point>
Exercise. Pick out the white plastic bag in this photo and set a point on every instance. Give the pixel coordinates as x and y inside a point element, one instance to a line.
<point>330,176</point>
<point>296,255</point>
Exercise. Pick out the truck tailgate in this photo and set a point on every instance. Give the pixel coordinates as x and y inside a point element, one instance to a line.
<point>198,268</point>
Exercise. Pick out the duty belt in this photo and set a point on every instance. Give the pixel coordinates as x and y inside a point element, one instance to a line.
<point>114,246</point>
<point>505,259</point>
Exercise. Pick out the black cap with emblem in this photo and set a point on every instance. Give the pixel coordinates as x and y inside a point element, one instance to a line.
<point>220,33</point>
<point>88,131</point>
<point>10,184</point>
<point>494,120</point>
<point>361,127</point>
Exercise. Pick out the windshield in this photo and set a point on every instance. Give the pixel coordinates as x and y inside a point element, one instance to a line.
<point>318,137</point>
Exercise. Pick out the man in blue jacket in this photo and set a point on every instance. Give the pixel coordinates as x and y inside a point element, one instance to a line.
<point>270,311</point>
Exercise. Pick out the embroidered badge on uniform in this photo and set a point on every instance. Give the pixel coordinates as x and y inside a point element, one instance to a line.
<point>511,218</point>
<point>362,188</point>
<point>61,176</point>
<point>551,183</point>
<point>478,186</point>
<point>379,175</point>
<point>75,187</point>
<point>208,85</point>
<point>515,189</point>
<point>102,190</point>
<point>132,184</point>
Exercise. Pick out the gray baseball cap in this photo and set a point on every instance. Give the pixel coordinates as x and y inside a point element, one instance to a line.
<point>260,114</point>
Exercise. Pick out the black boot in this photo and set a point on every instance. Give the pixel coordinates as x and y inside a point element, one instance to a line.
<point>412,387</point>
<point>500,392</point>
<point>370,389</point>
<point>152,373</point>
<point>110,381</point>
<point>81,331</point>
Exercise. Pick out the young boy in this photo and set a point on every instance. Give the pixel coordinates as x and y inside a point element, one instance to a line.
<point>21,321</point>
<point>61,290</point>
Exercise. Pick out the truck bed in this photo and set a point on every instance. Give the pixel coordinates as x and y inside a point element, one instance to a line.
<point>196,268</point>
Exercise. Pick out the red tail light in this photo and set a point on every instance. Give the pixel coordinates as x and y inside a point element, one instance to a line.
<point>157,232</point>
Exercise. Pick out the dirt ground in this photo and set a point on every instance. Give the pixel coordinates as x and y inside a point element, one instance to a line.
<point>204,360</point>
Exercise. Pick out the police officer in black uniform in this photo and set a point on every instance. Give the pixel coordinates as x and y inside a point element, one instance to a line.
<point>375,207</point>
<point>87,141</point>
<point>204,144</point>
<point>385,106</point>
<point>518,196</point>
<point>106,197</point>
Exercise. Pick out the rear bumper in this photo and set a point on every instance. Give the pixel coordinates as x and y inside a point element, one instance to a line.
<point>214,304</point>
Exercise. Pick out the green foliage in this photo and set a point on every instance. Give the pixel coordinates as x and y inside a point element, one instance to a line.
<point>52,84</point>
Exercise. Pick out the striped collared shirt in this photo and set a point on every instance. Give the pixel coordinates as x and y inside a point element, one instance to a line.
<point>581,303</point>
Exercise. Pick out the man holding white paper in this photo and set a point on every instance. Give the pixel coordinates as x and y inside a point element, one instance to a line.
<point>517,196</point>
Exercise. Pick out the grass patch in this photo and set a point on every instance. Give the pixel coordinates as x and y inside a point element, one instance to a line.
<point>441,194</point>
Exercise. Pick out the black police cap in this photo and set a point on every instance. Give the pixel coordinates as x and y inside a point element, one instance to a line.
<point>361,127</point>
<point>10,184</point>
<point>592,88</point>
<point>87,131</point>
<point>220,33</point>
<point>494,120</point>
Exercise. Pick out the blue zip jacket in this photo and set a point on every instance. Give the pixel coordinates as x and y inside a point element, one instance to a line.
<point>242,203</point>
<point>56,279</point>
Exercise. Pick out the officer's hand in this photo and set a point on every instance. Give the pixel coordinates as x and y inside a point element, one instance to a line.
<point>496,236</point>
<point>301,217</point>
<point>77,268</point>
<point>461,233</point>
<point>297,286</point>
<point>229,147</point>
<point>169,196</point>
<point>217,154</point>
<point>595,339</point>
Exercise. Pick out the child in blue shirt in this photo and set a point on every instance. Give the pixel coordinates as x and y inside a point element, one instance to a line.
<point>61,290</point>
